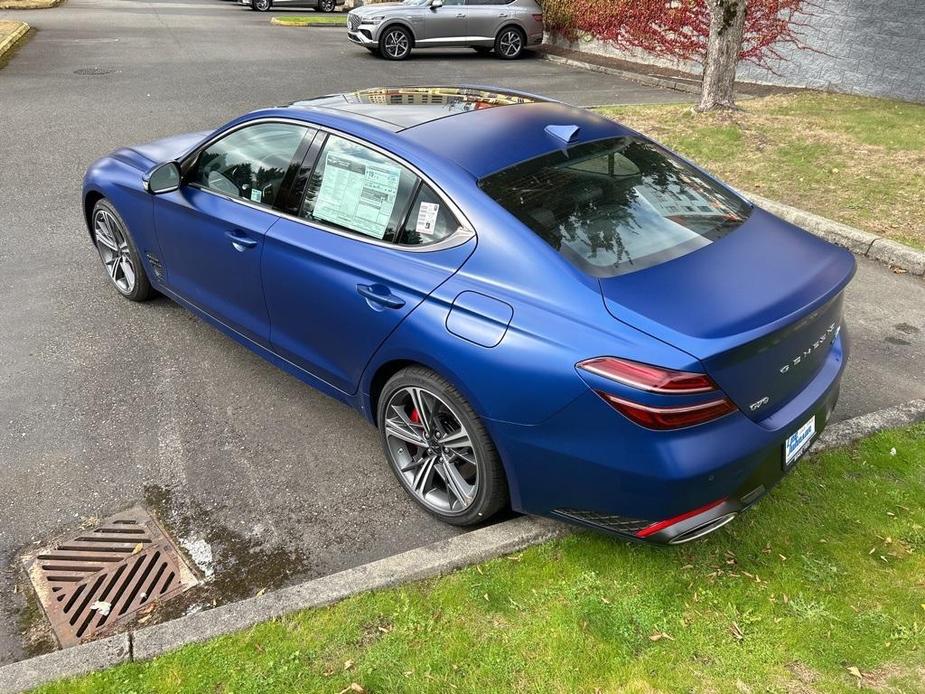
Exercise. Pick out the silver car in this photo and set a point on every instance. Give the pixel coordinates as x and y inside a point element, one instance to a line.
<point>266,5</point>
<point>392,30</point>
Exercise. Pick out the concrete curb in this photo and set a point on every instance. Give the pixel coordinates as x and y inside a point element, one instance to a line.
<point>864,243</point>
<point>38,6</point>
<point>850,430</point>
<point>650,80</point>
<point>417,564</point>
<point>319,25</point>
<point>9,42</point>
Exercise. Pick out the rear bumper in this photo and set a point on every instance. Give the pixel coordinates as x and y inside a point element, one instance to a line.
<point>589,465</point>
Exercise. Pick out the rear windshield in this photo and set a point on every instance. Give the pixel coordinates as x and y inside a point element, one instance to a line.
<point>616,206</point>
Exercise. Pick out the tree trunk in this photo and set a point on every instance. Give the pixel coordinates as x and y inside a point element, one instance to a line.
<point>727,24</point>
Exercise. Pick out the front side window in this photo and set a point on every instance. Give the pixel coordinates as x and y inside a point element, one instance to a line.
<point>617,205</point>
<point>355,188</point>
<point>250,163</point>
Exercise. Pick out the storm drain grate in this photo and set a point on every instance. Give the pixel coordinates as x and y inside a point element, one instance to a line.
<point>102,577</point>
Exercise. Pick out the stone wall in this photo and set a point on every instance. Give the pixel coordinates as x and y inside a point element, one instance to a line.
<point>870,47</point>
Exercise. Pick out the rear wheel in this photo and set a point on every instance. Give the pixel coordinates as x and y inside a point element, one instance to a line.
<point>119,255</point>
<point>327,5</point>
<point>438,448</point>
<point>395,43</point>
<point>261,5</point>
<point>509,43</point>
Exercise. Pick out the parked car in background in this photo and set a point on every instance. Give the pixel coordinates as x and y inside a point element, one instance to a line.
<point>506,27</point>
<point>535,305</point>
<point>319,5</point>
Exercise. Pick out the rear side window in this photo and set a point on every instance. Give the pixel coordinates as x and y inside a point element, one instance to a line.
<point>250,163</point>
<point>428,221</point>
<point>357,189</point>
<point>618,205</point>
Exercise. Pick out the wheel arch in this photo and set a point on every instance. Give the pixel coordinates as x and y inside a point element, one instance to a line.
<point>91,197</point>
<point>512,25</point>
<point>403,24</point>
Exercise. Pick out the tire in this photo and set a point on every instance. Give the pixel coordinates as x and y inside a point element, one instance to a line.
<point>119,254</point>
<point>327,5</point>
<point>509,43</point>
<point>483,489</point>
<point>482,50</point>
<point>262,5</point>
<point>395,43</point>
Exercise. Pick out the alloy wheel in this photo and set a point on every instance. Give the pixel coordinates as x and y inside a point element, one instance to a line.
<point>510,43</point>
<point>327,5</point>
<point>396,44</point>
<point>262,5</point>
<point>114,251</point>
<point>431,450</point>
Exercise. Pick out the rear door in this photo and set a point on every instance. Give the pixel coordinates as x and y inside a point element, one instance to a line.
<point>486,17</point>
<point>367,241</point>
<point>211,230</point>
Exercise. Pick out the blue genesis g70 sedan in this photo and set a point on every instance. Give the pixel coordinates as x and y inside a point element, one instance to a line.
<point>536,306</point>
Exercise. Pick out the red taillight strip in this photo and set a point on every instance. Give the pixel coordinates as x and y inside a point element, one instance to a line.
<point>654,379</point>
<point>670,417</point>
<point>661,525</point>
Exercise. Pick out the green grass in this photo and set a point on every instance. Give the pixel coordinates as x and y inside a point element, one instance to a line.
<point>825,575</point>
<point>854,159</point>
<point>325,20</point>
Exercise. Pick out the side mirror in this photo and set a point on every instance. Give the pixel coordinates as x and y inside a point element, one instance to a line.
<point>163,178</point>
<point>435,4</point>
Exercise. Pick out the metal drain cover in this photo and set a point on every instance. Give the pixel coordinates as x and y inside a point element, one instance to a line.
<point>102,577</point>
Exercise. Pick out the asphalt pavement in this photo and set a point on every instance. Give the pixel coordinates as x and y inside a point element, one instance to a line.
<point>105,403</point>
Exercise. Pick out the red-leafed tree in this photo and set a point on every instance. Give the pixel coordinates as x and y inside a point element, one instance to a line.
<point>716,33</point>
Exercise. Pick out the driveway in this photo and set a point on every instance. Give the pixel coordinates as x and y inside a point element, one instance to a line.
<point>104,403</point>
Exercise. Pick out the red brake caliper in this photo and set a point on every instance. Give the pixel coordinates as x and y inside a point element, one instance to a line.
<point>415,417</point>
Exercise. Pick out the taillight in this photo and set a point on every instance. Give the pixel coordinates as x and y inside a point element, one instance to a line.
<point>655,379</point>
<point>670,417</point>
<point>646,377</point>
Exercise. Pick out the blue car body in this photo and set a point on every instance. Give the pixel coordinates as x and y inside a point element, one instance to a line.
<point>503,317</point>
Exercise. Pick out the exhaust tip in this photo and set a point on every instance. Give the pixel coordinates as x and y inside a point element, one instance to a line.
<point>703,529</point>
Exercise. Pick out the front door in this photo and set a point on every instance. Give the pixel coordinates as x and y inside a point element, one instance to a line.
<point>211,230</point>
<point>446,25</point>
<point>341,279</point>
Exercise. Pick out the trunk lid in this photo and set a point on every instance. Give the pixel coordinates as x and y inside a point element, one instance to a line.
<point>759,308</point>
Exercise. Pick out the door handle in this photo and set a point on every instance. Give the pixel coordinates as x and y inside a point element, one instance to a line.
<point>460,15</point>
<point>502,14</point>
<point>240,240</point>
<point>379,294</point>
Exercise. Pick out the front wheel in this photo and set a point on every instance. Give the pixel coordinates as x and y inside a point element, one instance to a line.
<point>395,43</point>
<point>119,254</point>
<point>261,5</point>
<point>509,43</point>
<point>439,449</point>
<point>327,5</point>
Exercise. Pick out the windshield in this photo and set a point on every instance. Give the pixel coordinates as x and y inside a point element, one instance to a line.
<point>618,205</point>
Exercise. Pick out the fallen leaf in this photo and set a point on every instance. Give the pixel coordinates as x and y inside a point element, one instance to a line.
<point>261,592</point>
<point>137,548</point>
<point>854,671</point>
<point>144,619</point>
<point>736,632</point>
<point>348,664</point>
<point>892,451</point>
<point>354,687</point>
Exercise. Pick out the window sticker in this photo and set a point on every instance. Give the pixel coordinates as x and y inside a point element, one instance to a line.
<point>357,194</point>
<point>427,218</point>
<point>256,195</point>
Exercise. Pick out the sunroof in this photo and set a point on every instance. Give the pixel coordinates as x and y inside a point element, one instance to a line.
<point>409,106</point>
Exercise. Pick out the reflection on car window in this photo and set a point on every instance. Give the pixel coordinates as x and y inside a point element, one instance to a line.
<point>617,205</point>
<point>429,220</point>
<point>249,163</point>
<point>358,189</point>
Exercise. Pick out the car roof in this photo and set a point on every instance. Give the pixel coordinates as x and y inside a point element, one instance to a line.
<point>482,129</point>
